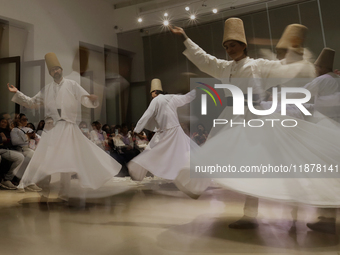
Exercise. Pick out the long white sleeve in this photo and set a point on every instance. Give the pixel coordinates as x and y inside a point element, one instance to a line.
<point>28,102</point>
<point>205,62</point>
<point>180,100</point>
<point>81,96</point>
<point>147,120</point>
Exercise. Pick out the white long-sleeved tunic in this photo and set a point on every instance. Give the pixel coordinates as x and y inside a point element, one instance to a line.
<point>247,68</point>
<point>64,149</point>
<point>64,96</point>
<point>162,112</point>
<point>168,150</point>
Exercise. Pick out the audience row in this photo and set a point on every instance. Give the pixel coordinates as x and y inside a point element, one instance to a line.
<point>19,139</point>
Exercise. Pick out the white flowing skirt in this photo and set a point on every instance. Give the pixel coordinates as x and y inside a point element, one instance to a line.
<point>166,154</point>
<point>307,143</point>
<point>64,149</point>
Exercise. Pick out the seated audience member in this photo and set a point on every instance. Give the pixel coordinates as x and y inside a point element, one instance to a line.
<point>124,148</point>
<point>49,124</point>
<point>126,137</point>
<point>40,127</point>
<point>132,127</point>
<point>106,129</point>
<point>6,116</point>
<point>84,129</point>
<point>141,141</point>
<point>112,129</point>
<point>99,137</point>
<point>31,126</point>
<point>117,129</point>
<point>128,150</point>
<point>200,136</point>
<point>110,133</point>
<point>33,142</point>
<point>6,152</point>
<point>23,138</point>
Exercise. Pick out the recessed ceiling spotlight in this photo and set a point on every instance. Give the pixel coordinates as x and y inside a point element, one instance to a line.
<point>166,23</point>
<point>166,14</point>
<point>187,8</point>
<point>192,17</point>
<point>140,20</point>
<point>214,10</point>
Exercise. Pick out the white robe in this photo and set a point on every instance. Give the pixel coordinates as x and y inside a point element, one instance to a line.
<point>248,68</point>
<point>307,143</point>
<point>64,149</point>
<point>249,146</point>
<point>168,150</point>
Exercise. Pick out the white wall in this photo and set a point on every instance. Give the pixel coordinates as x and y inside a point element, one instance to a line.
<point>37,27</point>
<point>58,26</point>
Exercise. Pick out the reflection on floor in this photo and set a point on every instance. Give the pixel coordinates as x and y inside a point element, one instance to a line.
<point>153,218</point>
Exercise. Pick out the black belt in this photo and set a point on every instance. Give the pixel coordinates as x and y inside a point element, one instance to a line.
<point>256,97</point>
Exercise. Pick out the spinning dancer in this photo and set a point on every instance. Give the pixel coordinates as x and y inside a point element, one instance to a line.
<point>168,150</point>
<point>64,149</point>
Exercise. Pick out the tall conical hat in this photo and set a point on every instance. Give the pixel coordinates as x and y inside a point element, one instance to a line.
<point>51,61</point>
<point>234,30</point>
<point>293,38</point>
<point>156,84</point>
<point>326,58</point>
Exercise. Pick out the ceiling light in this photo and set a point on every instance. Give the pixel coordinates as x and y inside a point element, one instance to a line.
<point>166,23</point>
<point>192,17</point>
<point>140,20</point>
<point>187,8</point>
<point>166,14</point>
<point>214,10</point>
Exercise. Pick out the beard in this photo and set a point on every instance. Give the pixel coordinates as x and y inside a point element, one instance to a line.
<point>57,76</point>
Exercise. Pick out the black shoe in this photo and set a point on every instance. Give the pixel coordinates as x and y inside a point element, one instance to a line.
<point>324,225</point>
<point>244,223</point>
<point>16,181</point>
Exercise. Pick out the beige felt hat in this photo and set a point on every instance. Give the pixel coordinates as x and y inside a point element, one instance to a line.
<point>326,58</point>
<point>156,84</point>
<point>234,30</point>
<point>293,38</point>
<point>51,61</point>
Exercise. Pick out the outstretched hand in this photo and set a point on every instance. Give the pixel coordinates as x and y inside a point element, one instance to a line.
<point>178,31</point>
<point>11,88</point>
<point>92,97</point>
